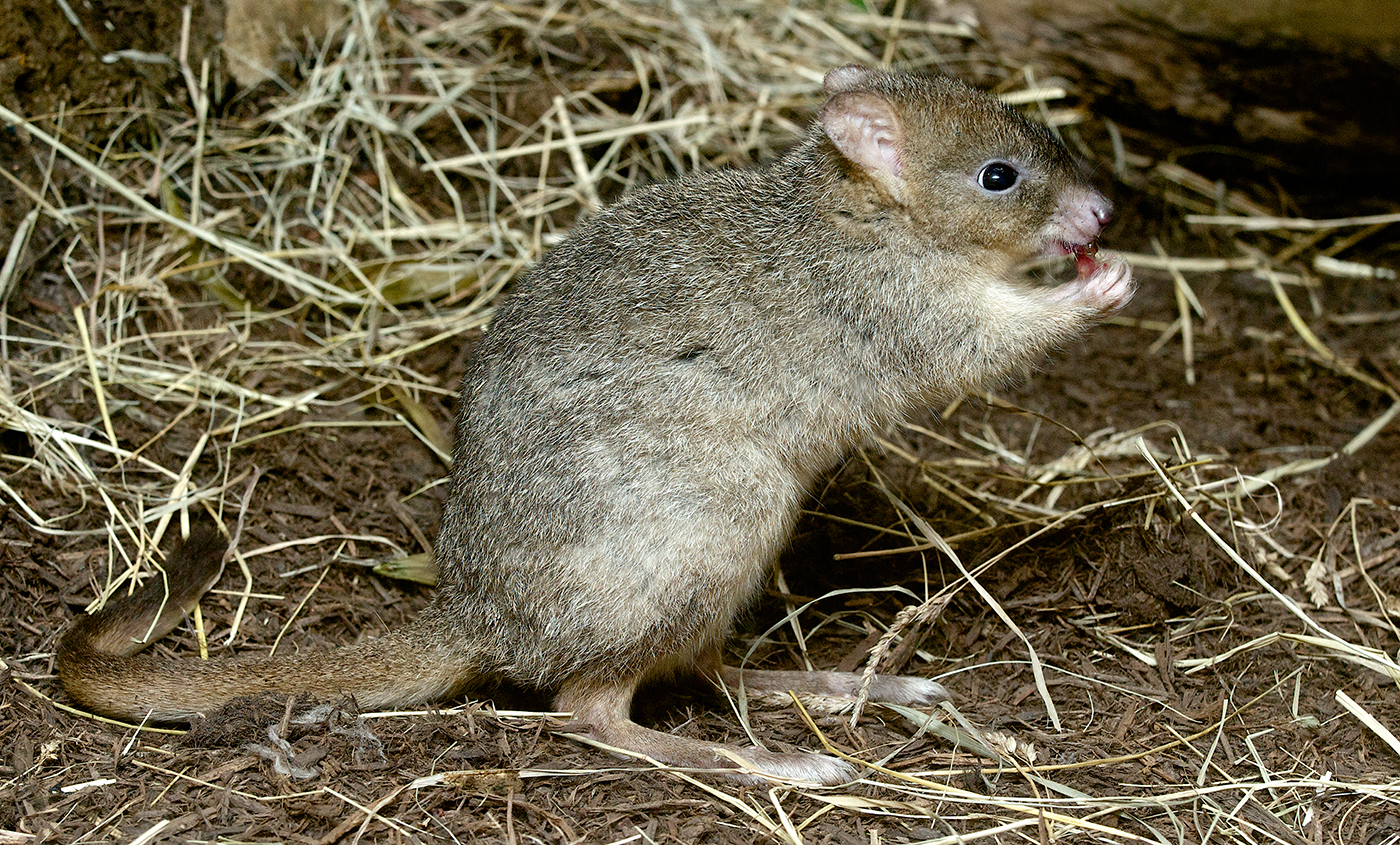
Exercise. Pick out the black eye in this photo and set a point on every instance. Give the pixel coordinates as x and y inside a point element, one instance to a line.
<point>998,176</point>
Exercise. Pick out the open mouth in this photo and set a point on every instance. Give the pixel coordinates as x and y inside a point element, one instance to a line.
<point>1085,261</point>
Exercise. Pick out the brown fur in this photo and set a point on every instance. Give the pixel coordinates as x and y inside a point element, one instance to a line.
<point>646,413</point>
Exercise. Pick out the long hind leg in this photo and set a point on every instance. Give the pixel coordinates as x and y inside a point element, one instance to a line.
<point>605,710</point>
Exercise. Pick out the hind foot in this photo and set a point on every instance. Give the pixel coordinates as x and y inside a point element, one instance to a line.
<point>892,689</point>
<point>604,714</point>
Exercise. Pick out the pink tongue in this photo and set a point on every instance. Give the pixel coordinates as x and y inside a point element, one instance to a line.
<point>1085,264</point>
<point>1084,259</point>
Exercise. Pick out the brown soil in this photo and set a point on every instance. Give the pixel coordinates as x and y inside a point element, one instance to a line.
<point>1141,568</point>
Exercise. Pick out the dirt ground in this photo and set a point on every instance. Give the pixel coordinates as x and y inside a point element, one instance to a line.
<point>1125,604</point>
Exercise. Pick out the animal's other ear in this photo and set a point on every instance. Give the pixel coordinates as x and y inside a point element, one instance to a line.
<point>864,127</point>
<point>847,78</point>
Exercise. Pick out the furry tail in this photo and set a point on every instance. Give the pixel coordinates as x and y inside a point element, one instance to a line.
<point>100,664</point>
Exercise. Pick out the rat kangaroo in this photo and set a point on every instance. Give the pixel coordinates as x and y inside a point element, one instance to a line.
<point>644,416</point>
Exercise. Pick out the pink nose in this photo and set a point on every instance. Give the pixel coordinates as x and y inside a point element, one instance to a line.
<point>1102,210</point>
<point>1083,214</point>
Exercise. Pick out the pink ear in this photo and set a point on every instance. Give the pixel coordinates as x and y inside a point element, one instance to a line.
<point>846,78</point>
<point>864,128</point>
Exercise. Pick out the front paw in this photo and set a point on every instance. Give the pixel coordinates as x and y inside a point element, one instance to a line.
<point>1108,288</point>
<point>1102,291</point>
